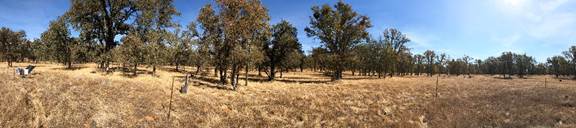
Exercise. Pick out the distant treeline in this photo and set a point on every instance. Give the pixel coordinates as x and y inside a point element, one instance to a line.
<point>236,35</point>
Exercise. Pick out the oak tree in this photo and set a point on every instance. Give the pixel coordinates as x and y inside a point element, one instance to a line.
<point>284,43</point>
<point>339,30</point>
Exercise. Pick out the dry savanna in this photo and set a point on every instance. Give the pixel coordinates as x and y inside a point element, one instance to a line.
<point>56,97</point>
<point>249,63</point>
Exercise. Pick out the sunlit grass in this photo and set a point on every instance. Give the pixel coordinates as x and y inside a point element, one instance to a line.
<point>53,97</point>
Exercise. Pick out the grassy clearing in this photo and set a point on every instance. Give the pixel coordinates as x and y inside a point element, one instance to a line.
<point>82,98</point>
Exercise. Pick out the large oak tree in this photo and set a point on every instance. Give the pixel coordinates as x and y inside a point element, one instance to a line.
<point>102,21</point>
<point>236,33</point>
<point>61,46</point>
<point>339,30</point>
<point>10,44</point>
<point>284,43</point>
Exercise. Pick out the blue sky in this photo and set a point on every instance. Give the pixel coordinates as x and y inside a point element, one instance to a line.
<point>477,28</point>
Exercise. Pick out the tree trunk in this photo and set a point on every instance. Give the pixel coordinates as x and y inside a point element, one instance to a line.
<point>153,69</point>
<point>272,72</point>
<point>101,65</point>
<point>259,70</point>
<point>246,75</point>
<point>198,68</point>
<point>222,76</point>
<point>177,67</point>
<point>574,72</point>
<point>216,71</point>
<point>281,72</point>
<point>237,78</point>
<point>135,70</point>
<point>124,67</point>
<point>234,76</point>
<point>69,65</point>
<point>384,75</point>
<point>337,74</point>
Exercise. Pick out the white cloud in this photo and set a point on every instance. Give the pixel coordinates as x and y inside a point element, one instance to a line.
<point>513,5</point>
<point>543,20</point>
<point>507,43</point>
<point>420,40</point>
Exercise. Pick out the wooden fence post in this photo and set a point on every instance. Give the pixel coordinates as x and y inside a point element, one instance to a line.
<point>545,83</point>
<point>436,86</point>
<point>171,93</point>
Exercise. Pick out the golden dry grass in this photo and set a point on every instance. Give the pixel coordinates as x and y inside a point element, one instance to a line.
<point>53,97</point>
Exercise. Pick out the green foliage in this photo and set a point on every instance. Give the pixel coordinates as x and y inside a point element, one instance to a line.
<point>571,57</point>
<point>210,43</point>
<point>523,64</point>
<point>284,50</point>
<point>457,66</point>
<point>558,65</point>
<point>374,56</point>
<point>235,35</point>
<point>61,46</point>
<point>430,56</point>
<point>339,30</point>
<point>419,64</point>
<point>293,59</point>
<point>180,51</point>
<point>11,45</point>
<point>39,50</point>
<point>467,64</point>
<point>101,21</point>
<point>506,64</point>
<point>401,56</point>
<point>320,59</point>
<point>131,52</point>
<point>442,62</point>
<point>153,18</point>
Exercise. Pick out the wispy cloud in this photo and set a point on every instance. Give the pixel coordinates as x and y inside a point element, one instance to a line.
<point>544,20</point>
<point>421,41</point>
<point>507,42</point>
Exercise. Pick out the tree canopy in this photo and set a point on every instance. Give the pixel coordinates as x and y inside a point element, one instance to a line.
<point>339,30</point>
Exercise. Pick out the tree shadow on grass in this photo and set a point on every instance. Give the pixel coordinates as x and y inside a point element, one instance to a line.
<point>128,73</point>
<point>503,78</point>
<point>304,81</point>
<point>286,79</point>
<point>322,74</point>
<point>296,77</point>
<point>564,78</point>
<point>199,81</point>
<point>69,69</point>
<point>364,78</point>
<point>210,85</point>
<point>173,70</point>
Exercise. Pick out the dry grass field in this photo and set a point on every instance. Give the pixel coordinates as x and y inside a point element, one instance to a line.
<point>55,97</point>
